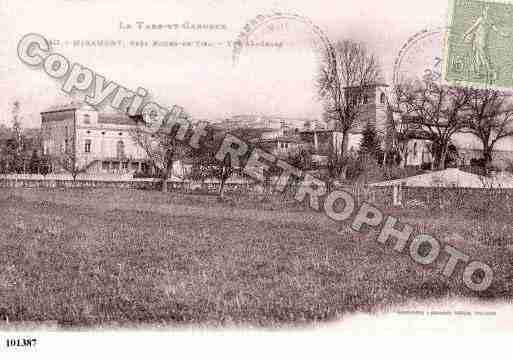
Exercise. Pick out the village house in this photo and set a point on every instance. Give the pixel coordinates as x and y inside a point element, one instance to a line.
<point>100,141</point>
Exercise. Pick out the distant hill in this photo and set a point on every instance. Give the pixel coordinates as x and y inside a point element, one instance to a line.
<point>258,121</point>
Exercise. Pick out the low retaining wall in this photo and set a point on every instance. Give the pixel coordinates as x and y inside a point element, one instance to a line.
<point>138,183</point>
<point>79,183</point>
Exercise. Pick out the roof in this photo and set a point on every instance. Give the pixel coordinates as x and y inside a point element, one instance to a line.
<point>451,177</point>
<point>424,122</point>
<point>73,105</point>
<point>415,134</point>
<point>317,130</point>
<point>276,139</point>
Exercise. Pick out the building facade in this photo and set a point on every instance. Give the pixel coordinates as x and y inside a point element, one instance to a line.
<point>283,142</point>
<point>373,109</point>
<point>100,142</point>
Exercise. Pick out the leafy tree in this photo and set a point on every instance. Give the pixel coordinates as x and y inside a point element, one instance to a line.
<point>370,148</point>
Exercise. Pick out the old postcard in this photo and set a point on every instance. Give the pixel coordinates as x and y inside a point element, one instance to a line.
<point>222,167</point>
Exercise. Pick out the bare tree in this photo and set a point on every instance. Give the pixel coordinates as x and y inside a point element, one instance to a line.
<point>162,150</point>
<point>397,130</point>
<point>223,170</point>
<point>68,161</point>
<point>345,74</point>
<point>490,118</point>
<point>16,147</point>
<point>437,109</point>
<point>207,165</point>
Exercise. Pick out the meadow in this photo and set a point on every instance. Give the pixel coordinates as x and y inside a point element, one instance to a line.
<point>98,257</point>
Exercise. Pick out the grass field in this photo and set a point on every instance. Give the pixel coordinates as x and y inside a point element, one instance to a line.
<point>104,257</point>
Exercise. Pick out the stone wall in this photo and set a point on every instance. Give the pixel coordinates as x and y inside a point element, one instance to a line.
<point>38,181</point>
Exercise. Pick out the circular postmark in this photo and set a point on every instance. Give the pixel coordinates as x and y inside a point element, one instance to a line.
<point>279,20</point>
<point>421,57</point>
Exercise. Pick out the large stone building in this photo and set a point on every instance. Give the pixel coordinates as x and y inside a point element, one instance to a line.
<point>100,141</point>
<point>372,109</point>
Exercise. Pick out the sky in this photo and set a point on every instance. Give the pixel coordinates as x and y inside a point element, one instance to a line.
<point>205,80</point>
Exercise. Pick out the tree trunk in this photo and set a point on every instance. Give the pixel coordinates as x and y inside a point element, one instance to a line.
<point>487,154</point>
<point>221,189</point>
<point>344,153</point>
<point>166,174</point>
<point>164,185</point>
<point>404,157</point>
<point>443,157</point>
<point>329,184</point>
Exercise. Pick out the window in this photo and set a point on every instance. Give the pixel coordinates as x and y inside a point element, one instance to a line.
<point>87,119</point>
<point>124,165</point>
<point>415,149</point>
<point>365,99</point>
<point>105,165</point>
<point>87,146</point>
<point>382,98</point>
<point>120,149</point>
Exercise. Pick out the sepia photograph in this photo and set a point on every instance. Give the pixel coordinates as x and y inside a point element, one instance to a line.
<point>235,172</point>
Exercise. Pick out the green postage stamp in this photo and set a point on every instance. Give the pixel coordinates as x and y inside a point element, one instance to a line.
<point>479,46</point>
